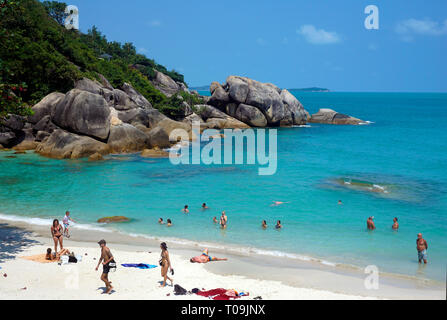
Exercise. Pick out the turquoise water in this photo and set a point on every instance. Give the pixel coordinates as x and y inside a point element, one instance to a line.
<point>403,151</point>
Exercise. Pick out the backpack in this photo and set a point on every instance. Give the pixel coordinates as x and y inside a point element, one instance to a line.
<point>179,290</point>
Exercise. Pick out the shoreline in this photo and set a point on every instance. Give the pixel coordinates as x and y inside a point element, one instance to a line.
<point>291,273</point>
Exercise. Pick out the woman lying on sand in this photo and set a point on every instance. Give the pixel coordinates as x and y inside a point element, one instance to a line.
<point>204,258</point>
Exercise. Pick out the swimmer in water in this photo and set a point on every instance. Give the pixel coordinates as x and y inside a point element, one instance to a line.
<point>215,219</point>
<point>204,206</point>
<point>395,224</point>
<point>370,223</point>
<point>160,221</point>
<point>185,209</point>
<point>339,202</point>
<point>169,223</point>
<point>264,224</point>
<point>278,225</point>
<point>223,220</point>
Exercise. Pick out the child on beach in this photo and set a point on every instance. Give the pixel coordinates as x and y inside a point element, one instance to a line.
<point>66,222</point>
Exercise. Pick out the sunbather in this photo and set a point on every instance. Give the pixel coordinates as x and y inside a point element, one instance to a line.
<point>205,258</point>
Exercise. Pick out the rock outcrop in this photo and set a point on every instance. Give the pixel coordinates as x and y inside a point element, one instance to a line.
<point>329,116</point>
<point>91,120</point>
<point>216,119</point>
<point>113,219</point>
<point>257,104</point>
<point>167,85</point>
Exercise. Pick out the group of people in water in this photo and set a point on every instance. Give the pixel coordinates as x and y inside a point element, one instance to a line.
<point>421,243</point>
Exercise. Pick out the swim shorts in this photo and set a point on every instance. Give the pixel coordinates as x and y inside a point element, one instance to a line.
<point>422,255</point>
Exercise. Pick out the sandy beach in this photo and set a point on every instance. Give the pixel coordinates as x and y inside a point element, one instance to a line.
<point>257,275</point>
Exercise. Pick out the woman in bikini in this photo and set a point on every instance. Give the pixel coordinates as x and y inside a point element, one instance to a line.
<point>165,264</point>
<point>56,233</point>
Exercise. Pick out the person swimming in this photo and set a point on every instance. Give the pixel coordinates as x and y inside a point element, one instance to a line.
<point>277,203</point>
<point>185,209</point>
<point>264,224</point>
<point>215,219</point>
<point>370,223</point>
<point>395,225</point>
<point>339,202</point>
<point>205,258</point>
<point>169,223</point>
<point>204,206</point>
<point>160,221</point>
<point>278,225</point>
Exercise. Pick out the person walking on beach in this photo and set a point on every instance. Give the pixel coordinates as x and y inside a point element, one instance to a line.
<point>370,223</point>
<point>66,222</point>
<point>185,209</point>
<point>223,220</point>
<point>395,224</point>
<point>56,233</point>
<point>165,264</point>
<point>108,262</point>
<point>421,246</point>
<point>205,258</point>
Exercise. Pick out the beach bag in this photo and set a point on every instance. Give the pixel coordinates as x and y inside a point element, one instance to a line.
<point>64,260</point>
<point>72,259</point>
<point>179,290</point>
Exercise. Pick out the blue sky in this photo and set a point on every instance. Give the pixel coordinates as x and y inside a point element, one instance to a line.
<point>292,44</point>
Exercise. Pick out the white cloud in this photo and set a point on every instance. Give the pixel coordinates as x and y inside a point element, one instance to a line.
<point>318,36</point>
<point>142,50</point>
<point>261,42</point>
<point>155,23</point>
<point>410,27</point>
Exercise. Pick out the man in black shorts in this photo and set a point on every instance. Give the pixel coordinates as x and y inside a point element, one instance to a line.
<point>107,263</point>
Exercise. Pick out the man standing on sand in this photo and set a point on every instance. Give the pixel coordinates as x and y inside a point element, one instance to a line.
<point>370,223</point>
<point>107,263</point>
<point>421,246</point>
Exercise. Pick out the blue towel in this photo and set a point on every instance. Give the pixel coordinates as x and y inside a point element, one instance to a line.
<point>139,265</point>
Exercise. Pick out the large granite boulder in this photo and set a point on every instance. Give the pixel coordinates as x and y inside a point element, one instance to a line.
<point>45,106</point>
<point>135,96</point>
<point>216,119</point>
<point>83,112</point>
<point>126,138</point>
<point>278,107</point>
<point>329,116</point>
<point>165,84</point>
<point>66,145</point>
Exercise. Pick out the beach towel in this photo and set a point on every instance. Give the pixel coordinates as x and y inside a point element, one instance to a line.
<point>38,258</point>
<point>220,294</point>
<point>139,265</point>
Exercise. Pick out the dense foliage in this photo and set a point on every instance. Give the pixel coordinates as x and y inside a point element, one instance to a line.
<point>41,55</point>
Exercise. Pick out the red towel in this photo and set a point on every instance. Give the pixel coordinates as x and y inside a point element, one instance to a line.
<point>217,294</point>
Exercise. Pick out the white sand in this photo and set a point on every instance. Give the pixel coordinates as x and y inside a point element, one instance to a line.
<point>81,281</point>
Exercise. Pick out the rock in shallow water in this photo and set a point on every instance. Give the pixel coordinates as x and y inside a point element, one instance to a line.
<point>113,219</point>
<point>329,116</point>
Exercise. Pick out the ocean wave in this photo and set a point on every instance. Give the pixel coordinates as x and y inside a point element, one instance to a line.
<point>48,221</point>
<point>366,122</point>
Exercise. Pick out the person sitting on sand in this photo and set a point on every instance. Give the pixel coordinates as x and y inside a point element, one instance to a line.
<point>169,223</point>
<point>165,264</point>
<point>395,224</point>
<point>278,225</point>
<point>185,209</point>
<point>56,233</point>
<point>223,220</point>
<point>49,256</point>
<point>264,224</point>
<point>370,223</point>
<point>204,206</point>
<point>66,222</point>
<point>205,258</point>
<point>107,263</point>
<point>160,221</point>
